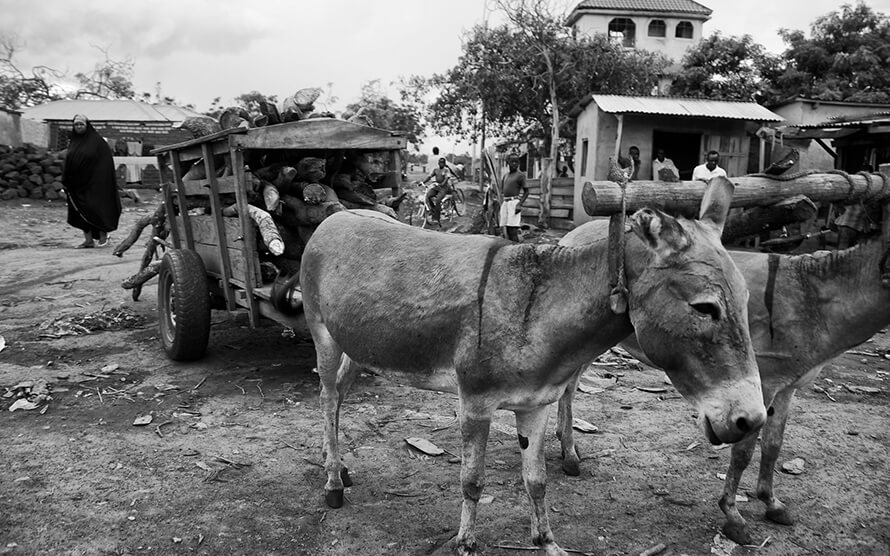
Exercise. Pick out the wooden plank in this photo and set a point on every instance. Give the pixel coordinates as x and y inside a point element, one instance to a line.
<point>207,245</point>
<point>248,233</point>
<point>602,198</point>
<point>554,213</point>
<point>219,225</point>
<point>319,133</point>
<point>226,184</point>
<point>193,148</point>
<point>183,204</point>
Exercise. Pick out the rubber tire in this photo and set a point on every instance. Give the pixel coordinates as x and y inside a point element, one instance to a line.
<point>183,305</point>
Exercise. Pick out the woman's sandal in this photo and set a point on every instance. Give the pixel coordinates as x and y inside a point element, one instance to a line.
<point>102,243</point>
<point>85,245</point>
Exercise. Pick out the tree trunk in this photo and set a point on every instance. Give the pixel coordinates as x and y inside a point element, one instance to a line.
<point>603,198</point>
<point>762,219</point>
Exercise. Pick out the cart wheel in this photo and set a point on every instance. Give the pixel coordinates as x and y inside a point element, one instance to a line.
<point>183,305</point>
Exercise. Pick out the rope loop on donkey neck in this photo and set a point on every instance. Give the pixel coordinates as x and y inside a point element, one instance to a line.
<point>618,295</point>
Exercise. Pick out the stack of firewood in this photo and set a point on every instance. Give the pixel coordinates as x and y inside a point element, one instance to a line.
<point>30,171</point>
<point>297,195</point>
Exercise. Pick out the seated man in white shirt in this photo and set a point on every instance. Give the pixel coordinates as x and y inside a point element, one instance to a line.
<point>709,169</point>
<point>662,163</point>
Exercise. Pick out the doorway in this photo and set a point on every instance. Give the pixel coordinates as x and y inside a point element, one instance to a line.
<point>683,148</point>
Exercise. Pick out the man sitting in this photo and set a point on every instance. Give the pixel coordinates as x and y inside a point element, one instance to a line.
<point>442,174</point>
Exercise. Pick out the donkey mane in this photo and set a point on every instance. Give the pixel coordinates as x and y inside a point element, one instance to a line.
<point>850,261</point>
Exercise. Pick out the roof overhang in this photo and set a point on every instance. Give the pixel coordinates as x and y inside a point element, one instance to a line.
<point>682,107</point>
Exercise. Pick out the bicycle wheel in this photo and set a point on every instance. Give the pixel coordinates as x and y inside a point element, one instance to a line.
<point>418,213</point>
<point>460,201</point>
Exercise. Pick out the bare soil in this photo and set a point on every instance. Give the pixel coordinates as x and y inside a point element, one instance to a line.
<point>230,463</point>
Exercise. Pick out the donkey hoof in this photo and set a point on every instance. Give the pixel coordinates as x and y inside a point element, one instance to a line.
<point>737,533</point>
<point>334,498</point>
<point>571,467</point>
<point>780,516</point>
<point>344,476</point>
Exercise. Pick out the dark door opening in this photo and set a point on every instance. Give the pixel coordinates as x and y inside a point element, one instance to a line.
<point>683,148</point>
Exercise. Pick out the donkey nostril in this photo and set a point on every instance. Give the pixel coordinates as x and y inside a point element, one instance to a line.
<point>742,424</point>
<point>770,411</point>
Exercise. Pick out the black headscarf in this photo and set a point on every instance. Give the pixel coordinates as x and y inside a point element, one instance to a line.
<point>90,182</point>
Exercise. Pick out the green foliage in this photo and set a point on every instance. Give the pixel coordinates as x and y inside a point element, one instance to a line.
<point>502,75</point>
<point>847,57</point>
<point>20,90</point>
<point>727,68</point>
<point>251,101</point>
<point>385,113</point>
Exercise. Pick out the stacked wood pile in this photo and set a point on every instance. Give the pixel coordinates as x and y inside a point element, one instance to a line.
<point>30,171</point>
<point>298,194</point>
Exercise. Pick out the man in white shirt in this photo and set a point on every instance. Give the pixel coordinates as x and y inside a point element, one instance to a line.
<point>709,169</point>
<point>663,163</point>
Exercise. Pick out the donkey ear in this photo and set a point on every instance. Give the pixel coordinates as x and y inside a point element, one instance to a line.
<point>659,231</point>
<point>715,202</point>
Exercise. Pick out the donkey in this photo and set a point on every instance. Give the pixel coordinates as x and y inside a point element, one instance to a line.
<point>506,326</point>
<point>804,310</point>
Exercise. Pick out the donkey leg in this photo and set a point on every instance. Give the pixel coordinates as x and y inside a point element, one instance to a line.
<point>475,423</point>
<point>531,426</point>
<point>330,358</point>
<point>771,444</point>
<point>735,527</point>
<point>571,458</point>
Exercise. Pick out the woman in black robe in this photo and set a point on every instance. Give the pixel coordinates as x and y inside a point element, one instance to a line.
<point>94,205</point>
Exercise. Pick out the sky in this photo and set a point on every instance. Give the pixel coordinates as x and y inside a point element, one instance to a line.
<point>197,50</point>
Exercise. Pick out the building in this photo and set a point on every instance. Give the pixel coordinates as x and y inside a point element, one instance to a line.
<point>858,142</point>
<point>132,129</point>
<point>666,26</point>
<point>120,122</point>
<point>816,129</point>
<point>10,127</point>
<point>608,125</point>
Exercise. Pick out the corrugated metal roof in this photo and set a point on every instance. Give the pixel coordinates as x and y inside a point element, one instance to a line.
<point>108,110</point>
<point>681,6</point>
<point>863,120</point>
<point>703,108</point>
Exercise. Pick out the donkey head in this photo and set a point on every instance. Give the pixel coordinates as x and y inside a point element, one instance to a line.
<point>688,303</point>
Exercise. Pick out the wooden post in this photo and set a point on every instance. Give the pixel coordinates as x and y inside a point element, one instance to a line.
<point>544,201</point>
<point>884,169</point>
<point>618,135</point>
<point>603,198</point>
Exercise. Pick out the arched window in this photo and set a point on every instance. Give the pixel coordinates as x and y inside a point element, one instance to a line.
<point>623,30</point>
<point>684,30</point>
<point>657,28</point>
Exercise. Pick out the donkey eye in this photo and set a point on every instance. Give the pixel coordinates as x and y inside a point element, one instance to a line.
<point>707,309</point>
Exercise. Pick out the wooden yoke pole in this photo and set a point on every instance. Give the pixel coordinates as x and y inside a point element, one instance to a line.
<point>884,170</point>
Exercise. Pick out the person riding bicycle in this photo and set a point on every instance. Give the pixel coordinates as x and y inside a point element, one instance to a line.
<point>443,176</point>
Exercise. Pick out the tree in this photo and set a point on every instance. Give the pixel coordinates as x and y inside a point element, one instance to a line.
<point>251,101</point>
<point>384,113</point>
<point>109,79</point>
<point>18,89</point>
<point>727,68</point>
<point>519,82</point>
<point>847,57</point>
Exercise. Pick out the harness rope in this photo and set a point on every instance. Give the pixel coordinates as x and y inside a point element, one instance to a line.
<point>618,294</point>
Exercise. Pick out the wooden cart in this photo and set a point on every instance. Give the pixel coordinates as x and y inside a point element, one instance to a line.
<point>213,260</point>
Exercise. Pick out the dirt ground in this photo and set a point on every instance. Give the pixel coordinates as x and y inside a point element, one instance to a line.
<point>230,462</point>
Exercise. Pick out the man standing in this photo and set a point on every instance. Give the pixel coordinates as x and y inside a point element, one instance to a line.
<point>515,192</point>
<point>632,160</point>
<point>663,168</point>
<point>709,169</point>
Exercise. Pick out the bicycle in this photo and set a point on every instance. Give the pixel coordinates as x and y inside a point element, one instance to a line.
<point>452,205</point>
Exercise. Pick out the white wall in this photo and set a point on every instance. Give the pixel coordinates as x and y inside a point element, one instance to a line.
<point>669,45</point>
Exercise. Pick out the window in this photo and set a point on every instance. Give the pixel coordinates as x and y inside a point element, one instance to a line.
<point>622,31</point>
<point>684,30</point>
<point>584,150</point>
<point>657,28</point>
